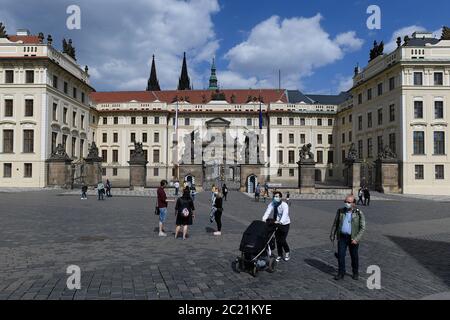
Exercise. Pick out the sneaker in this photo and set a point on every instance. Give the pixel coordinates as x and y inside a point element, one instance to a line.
<point>162,234</point>
<point>287,257</point>
<point>339,277</point>
<point>278,259</point>
<point>217,233</point>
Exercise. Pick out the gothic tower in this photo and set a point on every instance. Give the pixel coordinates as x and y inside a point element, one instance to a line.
<point>184,83</point>
<point>153,84</point>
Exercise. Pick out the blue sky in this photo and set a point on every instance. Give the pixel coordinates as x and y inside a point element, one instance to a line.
<point>316,44</point>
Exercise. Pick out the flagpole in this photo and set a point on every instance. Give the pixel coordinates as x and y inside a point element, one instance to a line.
<point>176,141</point>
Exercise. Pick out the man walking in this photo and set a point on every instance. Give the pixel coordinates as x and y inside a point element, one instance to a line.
<point>177,187</point>
<point>348,226</point>
<point>366,196</point>
<point>162,205</point>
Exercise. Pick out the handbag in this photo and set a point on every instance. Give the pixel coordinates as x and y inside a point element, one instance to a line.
<point>157,211</point>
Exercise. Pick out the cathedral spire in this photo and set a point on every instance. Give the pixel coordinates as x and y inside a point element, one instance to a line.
<point>153,84</point>
<point>184,82</point>
<point>213,77</point>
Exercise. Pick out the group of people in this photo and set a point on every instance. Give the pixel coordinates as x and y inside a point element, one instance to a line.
<point>364,196</point>
<point>261,192</point>
<point>102,190</point>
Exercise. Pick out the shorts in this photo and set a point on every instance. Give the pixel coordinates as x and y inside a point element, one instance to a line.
<point>162,214</point>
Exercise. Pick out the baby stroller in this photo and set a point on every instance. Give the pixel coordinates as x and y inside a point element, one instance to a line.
<point>256,247</point>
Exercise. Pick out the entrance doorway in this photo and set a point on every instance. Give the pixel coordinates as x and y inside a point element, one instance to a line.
<point>252,181</point>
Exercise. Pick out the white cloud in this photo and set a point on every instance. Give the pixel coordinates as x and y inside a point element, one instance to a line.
<point>405,31</point>
<point>343,83</point>
<point>297,46</point>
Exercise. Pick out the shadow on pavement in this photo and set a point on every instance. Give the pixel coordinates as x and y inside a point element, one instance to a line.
<point>210,230</point>
<point>322,266</point>
<point>433,255</point>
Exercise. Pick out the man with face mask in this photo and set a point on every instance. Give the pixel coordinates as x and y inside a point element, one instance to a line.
<point>278,210</point>
<point>349,226</point>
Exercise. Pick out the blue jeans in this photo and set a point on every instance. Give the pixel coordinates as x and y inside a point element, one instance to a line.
<point>344,242</point>
<point>162,214</point>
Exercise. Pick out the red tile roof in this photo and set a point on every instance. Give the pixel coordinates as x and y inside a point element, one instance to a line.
<point>25,39</point>
<point>239,96</point>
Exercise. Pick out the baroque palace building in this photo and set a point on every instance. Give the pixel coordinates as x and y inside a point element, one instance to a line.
<point>239,136</point>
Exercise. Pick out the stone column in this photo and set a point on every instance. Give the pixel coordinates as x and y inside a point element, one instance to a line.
<point>93,167</point>
<point>387,176</point>
<point>306,176</point>
<point>59,169</point>
<point>138,167</point>
<point>355,181</point>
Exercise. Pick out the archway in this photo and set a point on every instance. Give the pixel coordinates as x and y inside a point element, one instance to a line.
<point>318,175</point>
<point>252,181</point>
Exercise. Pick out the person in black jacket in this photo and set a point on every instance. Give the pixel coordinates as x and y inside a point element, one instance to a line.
<point>366,196</point>
<point>218,205</point>
<point>184,211</point>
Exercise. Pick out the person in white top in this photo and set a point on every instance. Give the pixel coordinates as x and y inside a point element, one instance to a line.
<point>278,210</point>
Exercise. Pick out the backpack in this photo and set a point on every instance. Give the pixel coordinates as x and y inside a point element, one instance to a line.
<point>184,208</point>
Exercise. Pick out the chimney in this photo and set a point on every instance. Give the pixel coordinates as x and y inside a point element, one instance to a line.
<point>23,32</point>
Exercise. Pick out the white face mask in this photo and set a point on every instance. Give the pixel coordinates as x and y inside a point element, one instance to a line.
<point>348,205</point>
<point>277,199</point>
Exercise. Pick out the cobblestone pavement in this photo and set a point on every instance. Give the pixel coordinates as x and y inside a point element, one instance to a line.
<point>116,245</point>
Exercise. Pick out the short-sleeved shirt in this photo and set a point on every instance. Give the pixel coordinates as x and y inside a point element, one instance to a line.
<point>162,198</point>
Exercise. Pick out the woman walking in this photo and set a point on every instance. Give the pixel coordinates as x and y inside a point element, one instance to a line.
<point>278,210</point>
<point>184,211</point>
<point>218,209</point>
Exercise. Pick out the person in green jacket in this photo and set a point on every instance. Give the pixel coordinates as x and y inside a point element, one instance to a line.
<point>348,227</point>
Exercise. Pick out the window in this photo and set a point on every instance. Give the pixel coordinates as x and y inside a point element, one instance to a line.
<point>319,122</point>
<point>133,120</point>
<point>116,120</point>
<point>330,122</point>
<point>105,120</point>
<point>65,115</point>
<point>156,137</point>
<point>133,137</point>
<point>330,172</point>
<point>28,108</point>
<point>360,98</point>
<point>55,112</point>
<point>369,94</point>
<point>144,120</point>
<point>302,121</point>
<point>343,138</point>
<point>330,139</point>
<point>291,156</point>
<point>439,109</point>
<point>392,113</point>
<point>439,142</point>
<point>104,137</point>
<point>380,117</point>
<point>187,121</point>
<point>9,108</point>
<point>74,144</point>
<point>280,156</point>
<point>28,170</point>
<point>156,120</point>
<point>279,172</point>
<point>81,148</point>
<point>74,119</point>
<point>55,82</point>
<point>64,141</point>
<point>291,172</point>
<point>280,138</point>
<point>114,173</point>
<point>349,136</point>
<point>54,139</point>
<point>29,76</point>
<point>104,155</point>
<point>144,137</point>
<point>418,109</point>
<point>369,120</point>
<point>82,121</point>
<point>249,121</point>
<point>380,89</point>
<point>9,76</point>
<point>438,79</point>
<point>350,118</point>
<point>115,137</point>
<point>302,138</point>
<point>66,87</point>
<point>392,142</point>
<point>155,155</point>
<point>343,155</point>
<point>74,93</point>
<point>418,78</point>
<point>8,141</point>
<point>319,156</point>
<point>360,119</point>
<point>360,149</point>
<point>156,172</point>
<point>145,154</point>
<point>369,148</point>
<point>419,142</point>
<point>418,172</point>
<point>7,170</point>
<point>380,144</point>
<point>279,121</point>
<point>291,121</point>
<point>82,97</point>
<point>291,138</point>
<point>103,171</point>
<point>330,157</point>
<point>391,83</point>
<point>115,156</point>
<point>28,141</point>
<point>319,139</point>
<point>439,171</point>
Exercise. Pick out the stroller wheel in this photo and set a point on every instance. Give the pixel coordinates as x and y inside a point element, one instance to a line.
<point>254,270</point>
<point>237,265</point>
<point>272,265</point>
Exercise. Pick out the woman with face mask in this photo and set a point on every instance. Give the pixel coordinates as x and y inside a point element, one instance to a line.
<point>278,210</point>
